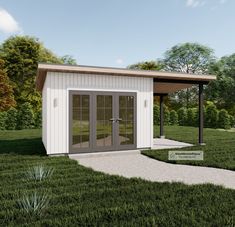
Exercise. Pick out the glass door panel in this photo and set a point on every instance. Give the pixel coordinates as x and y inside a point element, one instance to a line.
<point>104,115</point>
<point>80,121</point>
<point>102,121</point>
<point>126,120</point>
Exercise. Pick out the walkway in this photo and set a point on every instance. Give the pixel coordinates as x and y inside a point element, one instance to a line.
<point>159,144</point>
<point>133,164</point>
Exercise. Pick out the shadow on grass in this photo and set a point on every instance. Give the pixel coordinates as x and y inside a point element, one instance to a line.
<point>32,146</point>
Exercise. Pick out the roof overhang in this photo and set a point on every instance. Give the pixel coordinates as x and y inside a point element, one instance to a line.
<point>178,80</point>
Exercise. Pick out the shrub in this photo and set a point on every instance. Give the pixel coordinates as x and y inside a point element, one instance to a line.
<point>232,121</point>
<point>38,119</point>
<point>3,118</point>
<point>11,121</point>
<point>223,119</point>
<point>191,114</point>
<point>173,117</point>
<point>211,116</point>
<point>166,115</point>
<point>156,115</point>
<point>34,203</point>
<point>196,121</point>
<point>25,116</point>
<point>182,116</point>
<point>39,172</point>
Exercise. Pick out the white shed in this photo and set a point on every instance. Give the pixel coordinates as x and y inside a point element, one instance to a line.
<point>89,109</point>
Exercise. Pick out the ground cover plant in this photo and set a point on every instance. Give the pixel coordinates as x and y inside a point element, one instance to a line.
<point>80,196</point>
<point>219,150</point>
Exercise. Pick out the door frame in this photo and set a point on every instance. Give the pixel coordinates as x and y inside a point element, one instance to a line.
<point>92,118</point>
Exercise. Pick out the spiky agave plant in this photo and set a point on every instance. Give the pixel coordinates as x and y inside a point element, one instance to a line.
<point>39,172</point>
<point>34,203</point>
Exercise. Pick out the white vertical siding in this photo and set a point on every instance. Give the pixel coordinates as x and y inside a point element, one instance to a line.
<point>55,118</point>
<point>44,115</point>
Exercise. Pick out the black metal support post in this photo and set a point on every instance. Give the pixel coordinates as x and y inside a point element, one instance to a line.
<point>161,116</point>
<point>201,118</point>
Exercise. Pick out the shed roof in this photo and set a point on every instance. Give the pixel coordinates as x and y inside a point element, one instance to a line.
<point>43,68</point>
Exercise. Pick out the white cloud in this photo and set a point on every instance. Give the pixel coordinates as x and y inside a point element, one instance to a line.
<point>119,61</point>
<point>195,3</point>
<point>7,22</point>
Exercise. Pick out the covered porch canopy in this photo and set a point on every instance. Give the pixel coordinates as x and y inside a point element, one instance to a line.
<point>163,87</point>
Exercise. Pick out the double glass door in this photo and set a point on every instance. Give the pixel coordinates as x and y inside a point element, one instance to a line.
<point>102,121</point>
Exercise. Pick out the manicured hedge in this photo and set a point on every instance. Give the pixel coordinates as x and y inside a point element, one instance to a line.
<point>21,118</point>
<point>3,118</point>
<point>213,118</point>
<point>173,117</point>
<point>12,118</point>
<point>182,116</point>
<point>223,119</point>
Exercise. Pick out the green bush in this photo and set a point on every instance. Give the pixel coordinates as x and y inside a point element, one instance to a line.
<point>38,119</point>
<point>25,116</point>
<point>3,117</point>
<point>173,117</point>
<point>223,119</point>
<point>191,114</point>
<point>166,115</point>
<point>232,121</point>
<point>196,121</point>
<point>11,121</point>
<point>211,116</point>
<point>156,115</point>
<point>182,116</point>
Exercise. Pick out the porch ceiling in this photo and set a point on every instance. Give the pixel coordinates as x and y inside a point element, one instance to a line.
<point>166,88</point>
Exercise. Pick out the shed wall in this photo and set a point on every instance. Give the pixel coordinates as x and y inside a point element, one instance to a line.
<point>55,105</point>
<point>44,115</point>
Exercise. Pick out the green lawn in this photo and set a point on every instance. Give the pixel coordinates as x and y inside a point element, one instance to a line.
<point>219,150</point>
<point>82,197</point>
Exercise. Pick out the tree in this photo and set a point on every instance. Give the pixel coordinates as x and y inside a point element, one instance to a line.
<point>188,58</point>
<point>6,91</point>
<point>21,55</point>
<point>147,65</point>
<point>68,59</point>
<point>47,56</point>
<point>222,90</point>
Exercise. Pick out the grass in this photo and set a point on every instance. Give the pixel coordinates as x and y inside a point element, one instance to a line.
<point>80,196</point>
<point>219,150</point>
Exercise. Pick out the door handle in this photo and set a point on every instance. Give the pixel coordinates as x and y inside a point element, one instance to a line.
<point>118,119</point>
<point>112,119</point>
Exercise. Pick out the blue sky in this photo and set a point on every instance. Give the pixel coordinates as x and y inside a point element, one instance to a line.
<point>120,32</point>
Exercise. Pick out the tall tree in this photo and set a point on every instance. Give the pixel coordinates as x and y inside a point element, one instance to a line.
<point>47,56</point>
<point>188,58</point>
<point>21,55</point>
<point>68,59</point>
<point>6,91</point>
<point>222,90</point>
<point>146,65</point>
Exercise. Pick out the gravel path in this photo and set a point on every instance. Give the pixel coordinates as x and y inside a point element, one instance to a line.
<point>134,164</point>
